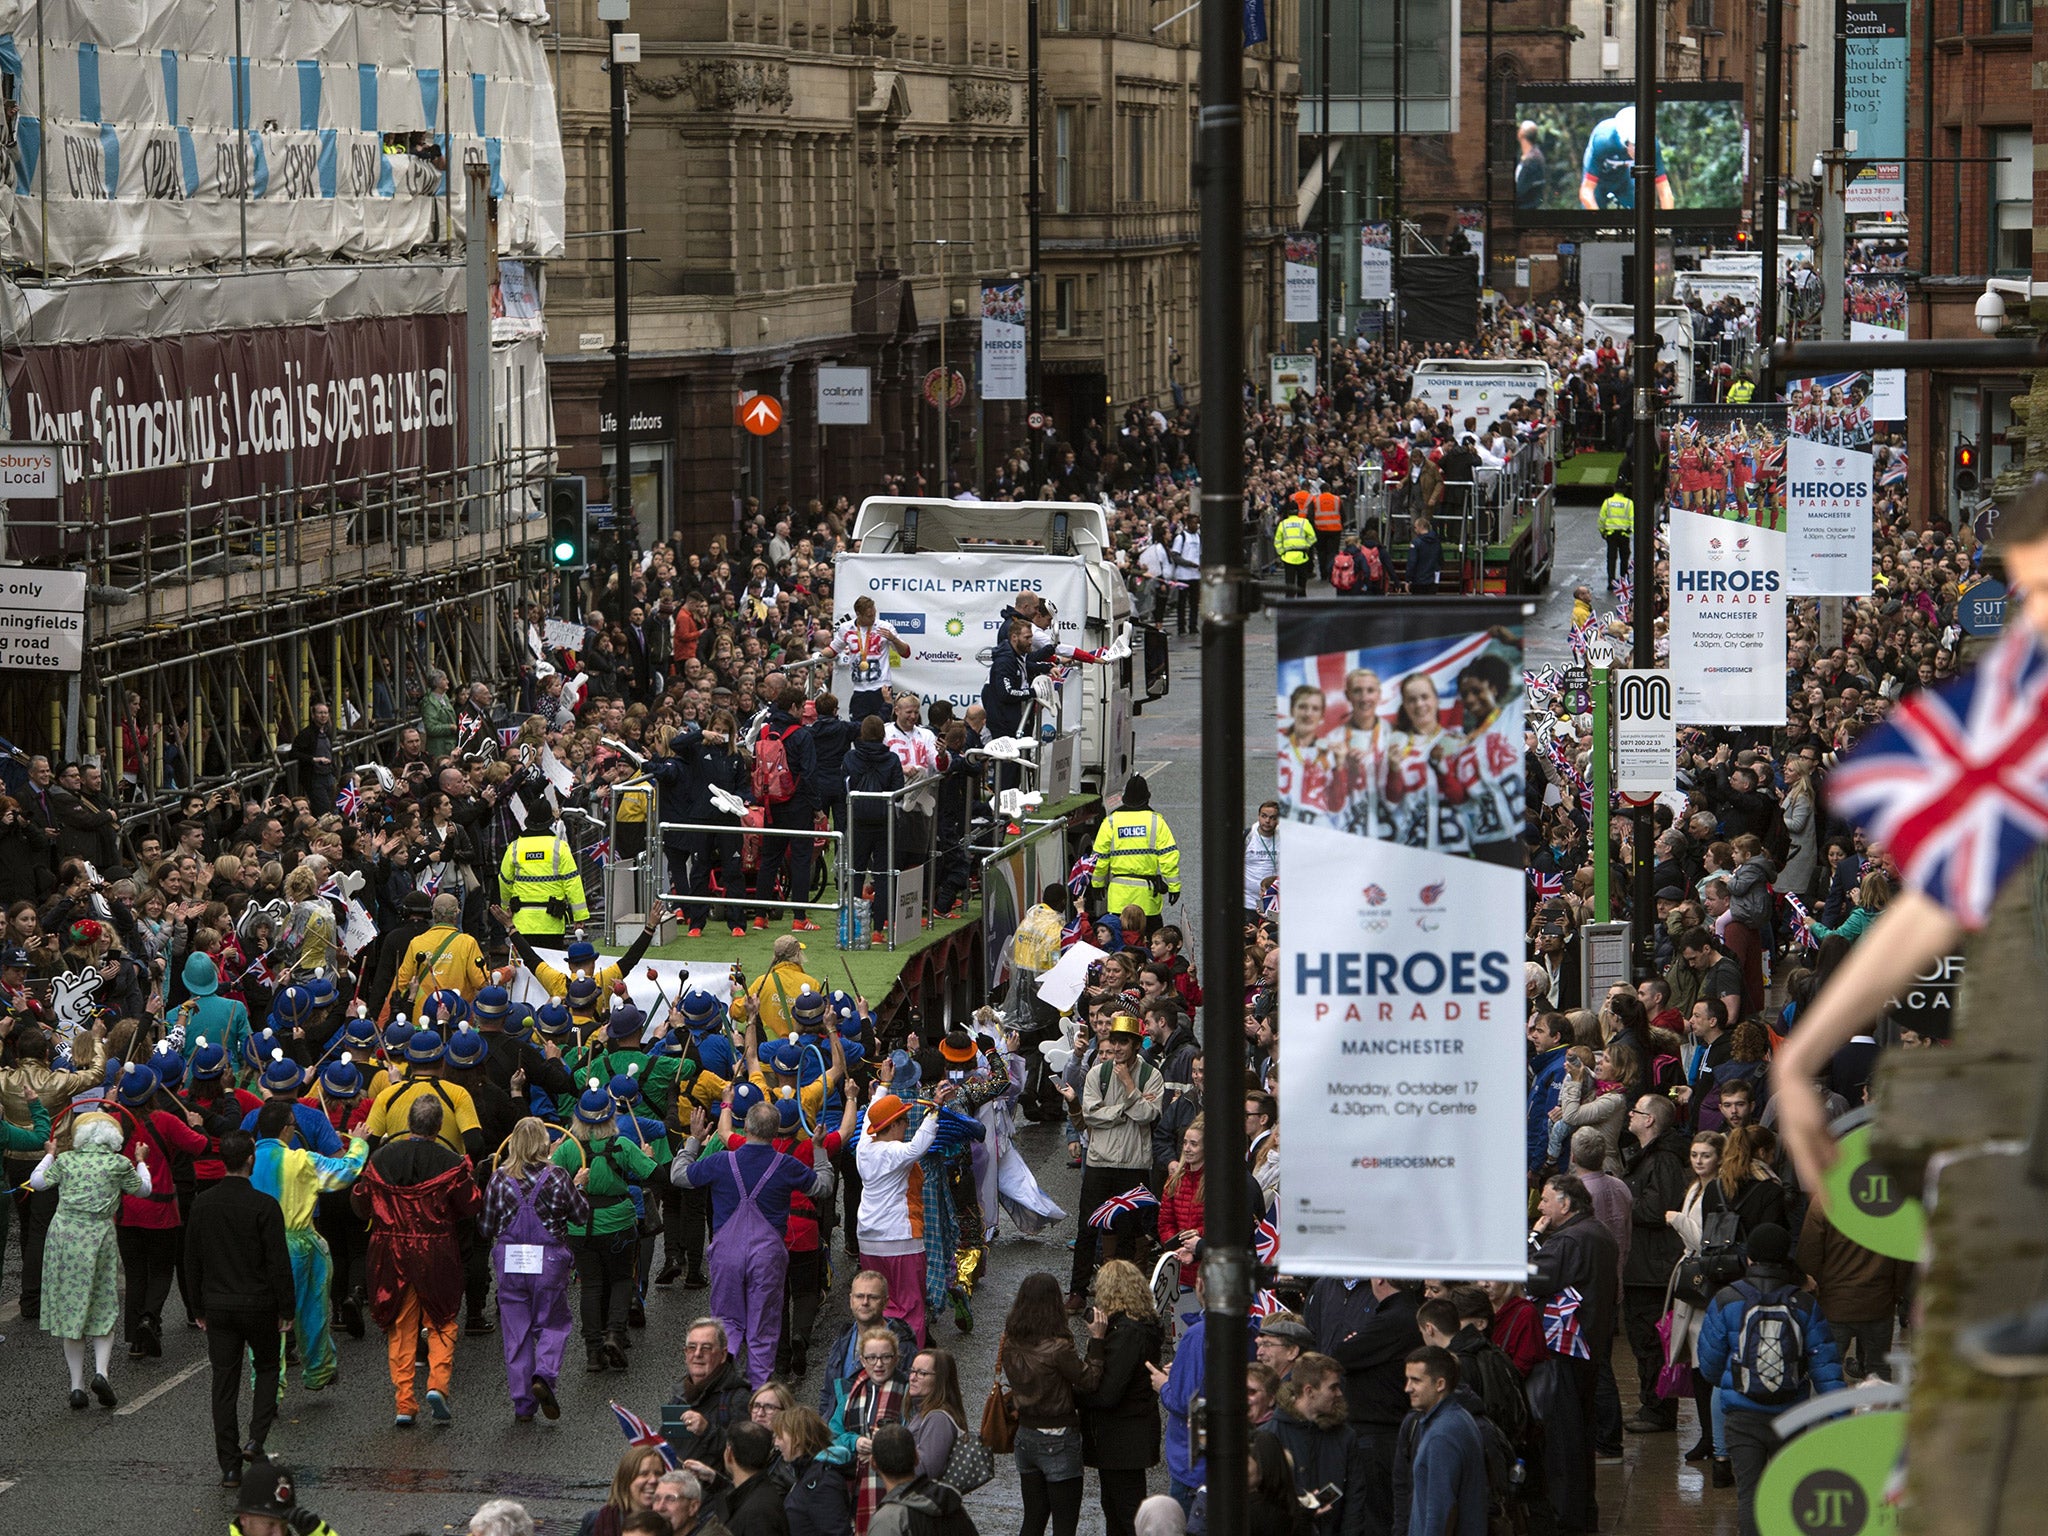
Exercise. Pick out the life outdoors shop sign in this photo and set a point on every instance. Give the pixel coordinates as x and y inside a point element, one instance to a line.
<point>206,416</point>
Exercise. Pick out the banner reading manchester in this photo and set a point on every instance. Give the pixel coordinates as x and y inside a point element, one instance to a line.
<point>947,608</point>
<point>1303,272</point>
<point>1004,312</point>
<point>1828,512</point>
<point>1727,498</point>
<point>1400,766</point>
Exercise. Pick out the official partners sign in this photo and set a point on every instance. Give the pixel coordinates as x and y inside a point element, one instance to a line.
<point>42,619</point>
<point>1645,733</point>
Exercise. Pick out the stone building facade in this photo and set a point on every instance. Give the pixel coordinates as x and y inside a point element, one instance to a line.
<point>794,167</point>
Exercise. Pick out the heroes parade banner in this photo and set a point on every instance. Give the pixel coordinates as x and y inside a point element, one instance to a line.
<point>1401,783</point>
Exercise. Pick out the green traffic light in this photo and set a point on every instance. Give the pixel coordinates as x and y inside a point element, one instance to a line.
<point>565,551</point>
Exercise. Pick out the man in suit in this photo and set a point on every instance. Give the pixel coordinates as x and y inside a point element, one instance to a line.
<point>239,1271</point>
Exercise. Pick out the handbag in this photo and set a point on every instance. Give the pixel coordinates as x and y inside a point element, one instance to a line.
<point>1674,1378</point>
<point>998,1415</point>
<point>969,1464</point>
<point>1717,1262</point>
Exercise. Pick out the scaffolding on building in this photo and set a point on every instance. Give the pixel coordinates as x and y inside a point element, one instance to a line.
<point>217,628</point>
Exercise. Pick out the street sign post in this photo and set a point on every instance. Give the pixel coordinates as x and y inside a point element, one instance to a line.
<point>760,414</point>
<point>1600,658</point>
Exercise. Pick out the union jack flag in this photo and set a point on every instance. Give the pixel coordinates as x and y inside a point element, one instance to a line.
<point>349,799</point>
<point>1266,1241</point>
<point>1546,885</point>
<point>1266,1304</point>
<point>1894,473</point>
<point>600,852</point>
<point>1624,596</point>
<point>1130,1201</point>
<point>639,1432</point>
<point>1951,781</point>
<point>1079,875</point>
<point>1071,934</point>
<point>509,737</point>
<point>1561,1332</point>
<point>1269,899</point>
<point>430,882</point>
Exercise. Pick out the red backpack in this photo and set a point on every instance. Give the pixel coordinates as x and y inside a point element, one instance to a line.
<point>773,782</point>
<point>1344,572</point>
<point>1375,568</point>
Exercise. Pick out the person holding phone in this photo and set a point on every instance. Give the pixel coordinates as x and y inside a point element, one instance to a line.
<point>1120,1412</point>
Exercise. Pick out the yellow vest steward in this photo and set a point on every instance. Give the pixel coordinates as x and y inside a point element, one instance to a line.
<point>1295,538</point>
<point>1741,392</point>
<point>537,870</point>
<point>1132,848</point>
<point>1617,514</point>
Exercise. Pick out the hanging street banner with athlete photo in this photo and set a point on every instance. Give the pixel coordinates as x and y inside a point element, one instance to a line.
<point>1399,732</point>
<point>1877,312</point>
<point>1376,262</point>
<point>1004,314</point>
<point>948,609</point>
<point>1727,498</point>
<point>1302,286</point>
<point>1829,507</point>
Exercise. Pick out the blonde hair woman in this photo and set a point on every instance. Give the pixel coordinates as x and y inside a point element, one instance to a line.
<point>81,1260</point>
<point>528,1210</point>
<point>312,921</point>
<point>1120,1415</point>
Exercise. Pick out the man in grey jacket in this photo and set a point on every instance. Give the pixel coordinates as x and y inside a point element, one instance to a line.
<point>1120,1098</point>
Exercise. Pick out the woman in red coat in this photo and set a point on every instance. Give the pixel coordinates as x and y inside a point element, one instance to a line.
<point>1180,1202</point>
<point>150,1230</point>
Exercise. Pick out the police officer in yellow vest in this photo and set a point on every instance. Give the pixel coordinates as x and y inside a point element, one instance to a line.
<point>1136,856</point>
<point>1742,391</point>
<point>540,881</point>
<point>1295,541</point>
<point>1618,528</point>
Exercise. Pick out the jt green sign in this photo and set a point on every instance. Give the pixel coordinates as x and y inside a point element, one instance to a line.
<point>1830,1480</point>
<point>1866,1205</point>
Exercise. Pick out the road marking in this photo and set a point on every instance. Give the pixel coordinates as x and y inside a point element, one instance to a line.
<point>136,1404</point>
<point>6,1485</point>
<point>10,1311</point>
<point>1153,768</point>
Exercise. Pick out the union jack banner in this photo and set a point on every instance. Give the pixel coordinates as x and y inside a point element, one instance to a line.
<point>600,852</point>
<point>1894,472</point>
<point>1624,596</point>
<point>1546,886</point>
<point>1561,1332</point>
<point>430,882</point>
<point>1800,936</point>
<point>1071,934</point>
<point>1266,1304</point>
<point>349,799</point>
<point>1129,1202</point>
<point>1951,781</point>
<point>1582,635</point>
<point>639,1432</point>
<point>1079,875</point>
<point>1266,1241</point>
<point>1269,899</point>
<point>509,737</point>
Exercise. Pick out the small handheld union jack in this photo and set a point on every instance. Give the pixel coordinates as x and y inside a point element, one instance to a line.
<point>1546,885</point>
<point>639,1432</point>
<point>1266,1304</point>
<point>1266,1241</point>
<point>1952,780</point>
<point>1129,1202</point>
<point>1562,1334</point>
<point>1079,876</point>
<point>349,799</point>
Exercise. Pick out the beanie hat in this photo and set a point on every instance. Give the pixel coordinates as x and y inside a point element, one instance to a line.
<point>340,1079</point>
<point>594,1106</point>
<point>209,1060</point>
<point>167,1064</point>
<point>701,1011</point>
<point>552,1019</point>
<point>491,1003</point>
<point>293,1004</point>
<point>1769,1244</point>
<point>138,1084</point>
<point>423,1048</point>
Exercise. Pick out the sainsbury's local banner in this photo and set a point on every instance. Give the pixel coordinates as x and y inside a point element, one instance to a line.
<point>1400,754</point>
<point>948,609</point>
<point>1828,513</point>
<point>1727,499</point>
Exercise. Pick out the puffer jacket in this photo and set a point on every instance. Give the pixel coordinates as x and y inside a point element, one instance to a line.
<point>1721,1336</point>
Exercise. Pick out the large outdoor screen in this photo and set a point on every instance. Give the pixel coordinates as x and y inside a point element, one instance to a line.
<point>1576,153</point>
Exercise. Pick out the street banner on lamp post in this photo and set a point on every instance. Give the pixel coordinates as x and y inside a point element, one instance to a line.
<point>1400,775</point>
<point>1303,280</point>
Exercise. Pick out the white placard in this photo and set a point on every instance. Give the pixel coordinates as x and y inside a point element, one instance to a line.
<point>671,978</point>
<point>1727,621</point>
<point>1004,355</point>
<point>28,472</point>
<point>524,1258</point>
<point>555,772</point>
<point>562,635</point>
<point>948,609</point>
<point>1645,736</point>
<point>1405,1062</point>
<point>42,619</point>
<point>1061,986</point>
<point>1828,514</point>
<point>358,929</point>
<point>844,396</point>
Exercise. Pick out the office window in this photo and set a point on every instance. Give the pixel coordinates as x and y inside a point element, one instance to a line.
<point>1063,160</point>
<point>2012,214</point>
<point>2013,15</point>
<point>1063,15</point>
<point>1066,306</point>
<point>1137,181</point>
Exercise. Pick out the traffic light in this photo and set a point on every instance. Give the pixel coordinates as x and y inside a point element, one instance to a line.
<point>568,523</point>
<point>1966,466</point>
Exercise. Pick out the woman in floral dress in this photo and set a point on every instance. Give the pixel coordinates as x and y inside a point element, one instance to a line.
<point>81,1259</point>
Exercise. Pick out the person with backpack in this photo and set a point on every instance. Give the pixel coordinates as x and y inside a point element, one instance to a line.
<point>870,767</point>
<point>1766,1346</point>
<point>912,1505</point>
<point>785,785</point>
